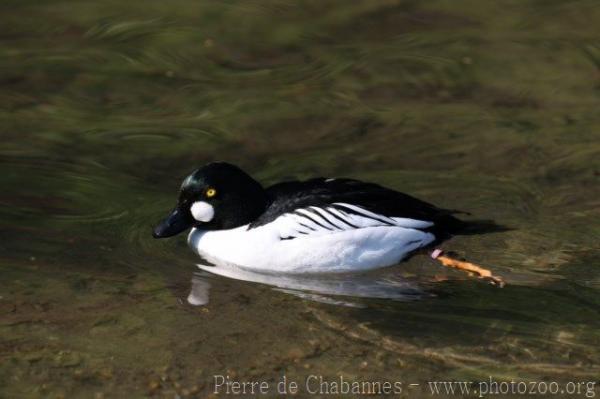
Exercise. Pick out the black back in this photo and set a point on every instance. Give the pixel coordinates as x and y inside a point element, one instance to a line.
<point>288,196</point>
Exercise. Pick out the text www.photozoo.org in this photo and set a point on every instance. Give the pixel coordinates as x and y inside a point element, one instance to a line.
<point>492,387</point>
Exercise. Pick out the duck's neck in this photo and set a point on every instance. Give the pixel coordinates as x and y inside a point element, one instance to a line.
<point>242,209</point>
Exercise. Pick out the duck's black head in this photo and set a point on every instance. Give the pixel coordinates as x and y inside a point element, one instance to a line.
<point>216,196</point>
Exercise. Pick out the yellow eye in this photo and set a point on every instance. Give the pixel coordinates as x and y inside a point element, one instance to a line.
<point>211,192</point>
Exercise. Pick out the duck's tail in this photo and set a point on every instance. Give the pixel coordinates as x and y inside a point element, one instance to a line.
<point>447,225</point>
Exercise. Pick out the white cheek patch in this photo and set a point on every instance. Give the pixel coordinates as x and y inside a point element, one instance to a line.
<point>202,211</point>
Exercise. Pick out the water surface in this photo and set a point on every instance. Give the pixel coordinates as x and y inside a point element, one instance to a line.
<point>491,108</point>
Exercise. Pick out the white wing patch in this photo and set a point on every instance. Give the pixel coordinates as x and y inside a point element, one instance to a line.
<point>339,216</point>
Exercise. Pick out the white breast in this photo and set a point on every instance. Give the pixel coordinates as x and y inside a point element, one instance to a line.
<point>314,241</point>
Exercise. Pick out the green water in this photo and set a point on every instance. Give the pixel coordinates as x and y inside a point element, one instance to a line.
<point>488,107</point>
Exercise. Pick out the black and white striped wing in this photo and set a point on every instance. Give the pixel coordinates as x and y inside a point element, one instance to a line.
<point>336,217</point>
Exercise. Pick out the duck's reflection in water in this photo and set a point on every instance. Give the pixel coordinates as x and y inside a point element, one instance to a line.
<point>200,291</point>
<point>336,289</point>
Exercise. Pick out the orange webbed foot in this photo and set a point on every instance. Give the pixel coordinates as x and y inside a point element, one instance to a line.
<point>469,267</point>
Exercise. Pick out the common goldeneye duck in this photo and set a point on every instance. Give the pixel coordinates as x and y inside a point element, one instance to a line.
<point>312,226</point>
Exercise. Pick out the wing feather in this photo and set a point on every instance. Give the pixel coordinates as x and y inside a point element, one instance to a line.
<point>317,221</point>
<point>325,206</point>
